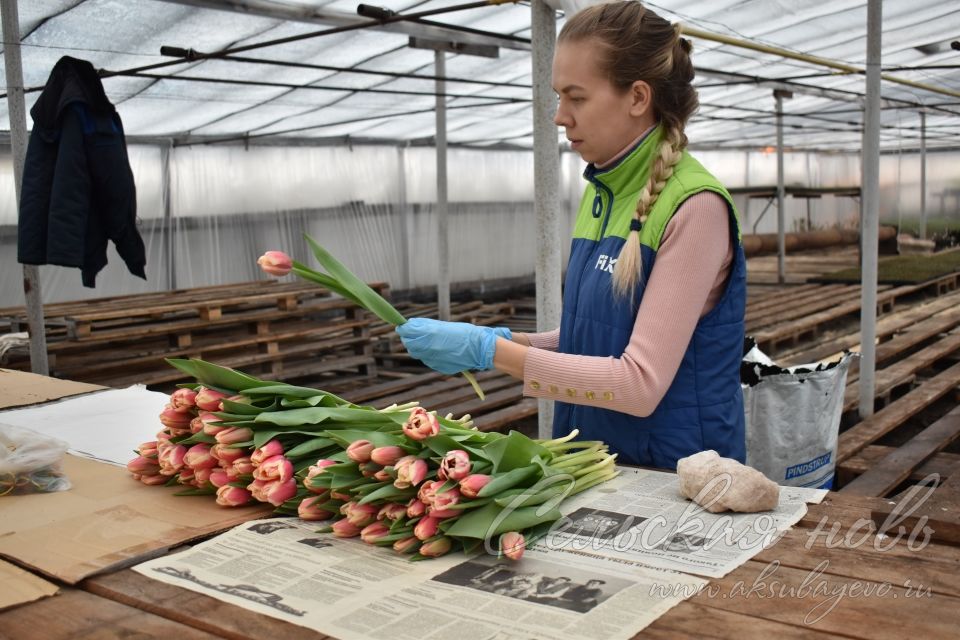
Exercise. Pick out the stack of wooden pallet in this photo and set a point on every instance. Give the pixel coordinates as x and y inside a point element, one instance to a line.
<point>264,327</point>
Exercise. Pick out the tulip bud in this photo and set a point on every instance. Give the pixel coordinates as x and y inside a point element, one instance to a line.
<point>142,466</point>
<point>183,400</point>
<point>275,468</point>
<point>212,425</point>
<point>272,448</point>
<point>373,532</point>
<point>359,515</point>
<point>208,399</point>
<point>442,502</point>
<point>275,263</point>
<point>406,545</point>
<point>359,450</point>
<point>243,466</point>
<point>471,485</point>
<point>455,465</point>
<point>387,456</point>
<point>309,509</point>
<point>219,478</point>
<point>226,455</point>
<point>201,477</point>
<point>392,511</point>
<point>436,548</point>
<point>512,545</point>
<point>198,457</point>
<point>344,529</point>
<point>230,496</point>
<point>171,459</point>
<point>173,419</point>
<point>421,424</point>
<point>148,449</point>
<point>382,476</point>
<point>278,492</point>
<point>426,528</point>
<point>186,476</point>
<point>411,471</point>
<point>234,435</point>
<point>416,508</point>
<point>153,480</point>
<point>428,490</point>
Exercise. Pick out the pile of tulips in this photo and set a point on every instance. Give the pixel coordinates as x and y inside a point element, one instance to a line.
<point>402,476</point>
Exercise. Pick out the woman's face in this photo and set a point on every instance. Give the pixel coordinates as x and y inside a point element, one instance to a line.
<point>599,119</point>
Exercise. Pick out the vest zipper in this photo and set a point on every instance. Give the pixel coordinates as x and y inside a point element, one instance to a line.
<point>598,208</point>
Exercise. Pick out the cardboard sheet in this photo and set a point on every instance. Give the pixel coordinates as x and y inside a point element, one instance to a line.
<point>20,587</point>
<point>107,521</point>
<point>106,426</point>
<point>20,389</point>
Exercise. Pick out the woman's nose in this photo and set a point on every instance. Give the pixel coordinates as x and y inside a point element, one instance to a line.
<point>560,118</point>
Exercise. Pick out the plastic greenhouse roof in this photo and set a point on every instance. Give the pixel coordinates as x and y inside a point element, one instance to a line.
<point>209,99</point>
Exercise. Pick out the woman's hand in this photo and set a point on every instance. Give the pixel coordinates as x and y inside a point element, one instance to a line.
<point>451,347</point>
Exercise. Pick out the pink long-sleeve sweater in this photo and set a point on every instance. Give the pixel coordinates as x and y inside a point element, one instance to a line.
<point>688,278</point>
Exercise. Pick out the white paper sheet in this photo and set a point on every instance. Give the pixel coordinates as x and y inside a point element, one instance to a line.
<point>107,425</point>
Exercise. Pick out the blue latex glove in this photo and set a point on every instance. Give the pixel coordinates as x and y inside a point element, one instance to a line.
<point>451,347</point>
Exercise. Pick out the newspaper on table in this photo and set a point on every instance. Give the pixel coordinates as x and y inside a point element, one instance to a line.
<point>583,581</point>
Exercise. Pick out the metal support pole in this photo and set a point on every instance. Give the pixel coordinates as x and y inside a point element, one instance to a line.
<point>869,226</point>
<point>923,175</point>
<point>443,227</point>
<point>405,221</point>
<point>169,246</point>
<point>546,175</point>
<point>16,107</point>
<point>781,192</point>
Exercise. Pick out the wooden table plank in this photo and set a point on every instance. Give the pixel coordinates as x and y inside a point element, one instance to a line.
<point>696,621</point>
<point>944,464</point>
<point>76,614</point>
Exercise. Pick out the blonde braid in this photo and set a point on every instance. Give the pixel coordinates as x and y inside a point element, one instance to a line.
<point>626,273</point>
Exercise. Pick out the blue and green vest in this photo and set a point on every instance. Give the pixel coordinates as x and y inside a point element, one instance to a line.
<point>703,408</point>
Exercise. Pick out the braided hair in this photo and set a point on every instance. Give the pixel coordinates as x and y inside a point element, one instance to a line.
<point>636,44</point>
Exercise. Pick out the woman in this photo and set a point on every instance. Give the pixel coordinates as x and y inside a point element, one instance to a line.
<point>648,351</point>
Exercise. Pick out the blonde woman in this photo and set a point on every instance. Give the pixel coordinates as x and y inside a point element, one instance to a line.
<point>648,351</point>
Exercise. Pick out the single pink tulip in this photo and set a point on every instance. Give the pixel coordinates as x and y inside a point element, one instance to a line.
<point>272,448</point>
<point>309,509</point>
<point>392,511</point>
<point>382,476</point>
<point>512,545</point>
<point>243,466</point>
<point>426,528</point>
<point>359,450</point>
<point>219,478</point>
<point>201,477</point>
<point>234,435</point>
<point>454,466</point>
<point>148,449</point>
<point>442,503</point>
<point>411,471</point>
<point>142,466</point>
<point>416,508</point>
<point>275,468</point>
<point>198,457</point>
<point>406,545</point>
<point>153,480</point>
<point>163,436</point>
<point>344,529</point>
<point>360,515</point>
<point>317,469</point>
<point>373,532</point>
<point>278,492</point>
<point>421,424</point>
<point>173,419</point>
<point>275,263</point>
<point>436,548</point>
<point>472,484</point>
<point>186,476</point>
<point>226,455</point>
<point>428,490</point>
<point>387,455</point>
<point>196,425</point>
<point>212,425</point>
<point>229,496</point>
<point>208,399</point>
<point>171,459</point>
<point>183,400</point>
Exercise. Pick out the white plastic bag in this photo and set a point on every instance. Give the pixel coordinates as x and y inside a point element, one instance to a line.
<point>793,418</point>
<point>30,462</point>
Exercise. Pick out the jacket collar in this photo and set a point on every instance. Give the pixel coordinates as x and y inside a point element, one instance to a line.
<point>632,168</point>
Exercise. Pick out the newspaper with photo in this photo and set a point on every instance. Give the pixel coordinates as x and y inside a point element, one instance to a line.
<point>345,588</point>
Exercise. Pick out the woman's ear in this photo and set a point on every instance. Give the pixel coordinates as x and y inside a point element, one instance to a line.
<point>641,98</point>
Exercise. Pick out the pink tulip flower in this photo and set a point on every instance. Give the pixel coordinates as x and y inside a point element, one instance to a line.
<point>226,455</point>
<point>212,425</point>
<point>142,466</point>
<point>512,545</point>
<point>153,480</point>
<point>360,515</point>
<point>278,492</point>
<point>426,528</point>
<point>406,545</point>
<point>373,532</point>
<point>183,400</point>
<point>309,509</point>
<point>436,548</point>
<point>442,502</point>
<point>275,468</point>
<point>275,263</point>
<point>392,511</point>
<point>171,459</point>
<point>454,466</point>
<point>272,448</point>
<point>173,419</point>
<point>198,457</point>
<point>421,425</point>
<point>229,496</point>
<point>148,449</point>
<point>411,471</point>
<point>208,399</point>
<point>359,450</point>
<point>382,476</point>
<point>344,529</point>
<point>186,476</point>
<point>219,477</point>
<point>201,477</point>
<point>243,466</point>
<point>428,490</point>
<point>387,455</point>
<point>416,508</point>
<point>234,435</point>
<point>472,484</point>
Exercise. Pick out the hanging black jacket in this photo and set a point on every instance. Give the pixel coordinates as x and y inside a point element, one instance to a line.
<point>78,189</point>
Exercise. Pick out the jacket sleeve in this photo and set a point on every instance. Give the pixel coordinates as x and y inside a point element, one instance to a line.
<point>69,194</point>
